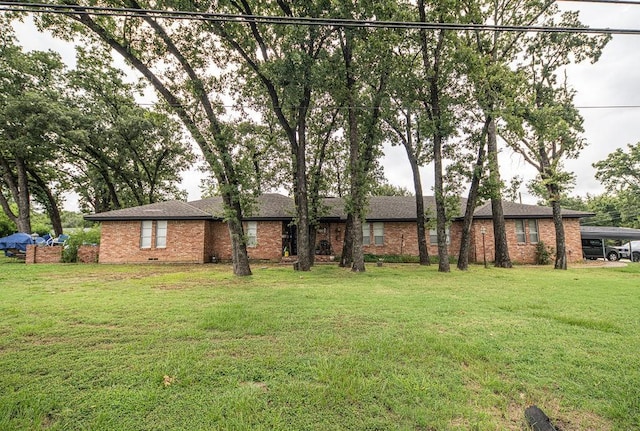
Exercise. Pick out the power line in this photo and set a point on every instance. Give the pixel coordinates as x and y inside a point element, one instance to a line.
<point>610,107</point>
<point>631,2</point>
<point>306,21</point>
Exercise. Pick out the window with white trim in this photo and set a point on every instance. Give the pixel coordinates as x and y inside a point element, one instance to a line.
<point>145,233</point>
<point>533,231</point>
<point>252,234</point>
<point>433,236</point>
<point>161,234</point>
<point>521,237</point>
<point>378,233</point>
<point>366,234</point>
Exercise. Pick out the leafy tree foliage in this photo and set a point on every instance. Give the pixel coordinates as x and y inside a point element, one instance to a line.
<point>546,127</point>
<point>621,169</point>
<point>123,154</point>
<point>32,125</point>
<point>7,226</point>
<point>386,189</point>
<point>620,173</point>
<point>178,59</point>
<point>309,103</point>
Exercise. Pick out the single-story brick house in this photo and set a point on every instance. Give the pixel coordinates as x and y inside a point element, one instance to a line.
<point>195,232</point>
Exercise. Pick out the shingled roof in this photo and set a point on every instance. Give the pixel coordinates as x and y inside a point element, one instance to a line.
<point>516,210</point>
<point>171,210</point>
<point>273,206</point>
<point>386,208</point>
<point>270,206</point>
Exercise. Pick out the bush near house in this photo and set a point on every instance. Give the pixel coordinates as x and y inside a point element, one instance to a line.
<point>78,238</point>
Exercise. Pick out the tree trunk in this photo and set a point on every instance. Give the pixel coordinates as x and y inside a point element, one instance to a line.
<point>23,198</point>
<point>441,217</point>
<point>302,211</point>
<point>561,250</point>
<point>472,198</point>
<point>347,245</point>
<point>49,202</point>
<point>355,164</point>
<point>423,250</point>
<point>502,259</point>
<point>433,108</point>
<point>239,254</point>
<point>358,255</point>
<point>357,197</point>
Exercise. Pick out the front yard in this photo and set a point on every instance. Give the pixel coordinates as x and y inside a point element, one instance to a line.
<point>162,347</point>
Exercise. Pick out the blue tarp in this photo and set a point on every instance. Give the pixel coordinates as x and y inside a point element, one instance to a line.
<point>17,241</point>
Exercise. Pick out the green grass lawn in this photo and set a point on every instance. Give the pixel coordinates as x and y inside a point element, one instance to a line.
<point>152,347</point>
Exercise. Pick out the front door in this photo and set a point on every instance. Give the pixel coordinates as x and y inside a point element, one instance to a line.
<point>289,238</point>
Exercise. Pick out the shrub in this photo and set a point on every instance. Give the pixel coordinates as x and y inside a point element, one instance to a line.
<point>88,236</point>
<point>402,258</point>
<point>543,254</point>
<point>390,258</point>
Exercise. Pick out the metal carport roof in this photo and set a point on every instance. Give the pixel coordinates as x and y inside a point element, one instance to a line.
<point>609,232</point>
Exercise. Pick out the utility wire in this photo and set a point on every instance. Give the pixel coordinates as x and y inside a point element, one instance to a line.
<point>631,2</point>
<point>282,20</point>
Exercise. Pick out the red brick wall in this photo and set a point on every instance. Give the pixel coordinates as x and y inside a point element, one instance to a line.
<point>269,244</point>
<point>41,254</point>
<point>573,240</point>
<point>198,241</point>
<point>120,243</point>
<point>268,247</point>
<point>217,241</point>
<point>525,252</point>
<point>400,238</point>
<point>88,253</point>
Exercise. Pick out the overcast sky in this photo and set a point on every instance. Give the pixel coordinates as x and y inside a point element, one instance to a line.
<point>613,81</point>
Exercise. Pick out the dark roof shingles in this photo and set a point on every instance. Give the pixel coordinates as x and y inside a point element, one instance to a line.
<point>158,210</point>
<point>273,206</point>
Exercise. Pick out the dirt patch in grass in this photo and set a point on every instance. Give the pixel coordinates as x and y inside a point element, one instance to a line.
<point>260,386</point>
<point>172,286</point>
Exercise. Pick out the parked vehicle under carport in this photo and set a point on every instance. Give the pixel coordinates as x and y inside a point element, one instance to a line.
<point>630,250</point>
<point>594,243</point>
<point>593,249</point>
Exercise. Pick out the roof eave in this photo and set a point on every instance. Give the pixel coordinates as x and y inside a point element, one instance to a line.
<point>154,217</point>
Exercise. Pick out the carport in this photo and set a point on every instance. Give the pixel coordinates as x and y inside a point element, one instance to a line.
<point>614,233</point>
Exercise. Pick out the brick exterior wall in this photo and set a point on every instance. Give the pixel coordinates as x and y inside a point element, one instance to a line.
<point>120,242</point>
<point>199,241</point>
<point>217,241</point>
<point>88,253</point>
<point>526,252</point>
<point>268,244</point>
<point>41,254</point>
<point>400,238</point>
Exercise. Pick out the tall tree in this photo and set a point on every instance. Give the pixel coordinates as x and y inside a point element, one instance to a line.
<point>179,60</point>
<point>620,173</point>
<point>366,64</point>
<point>546,127</point>
<point>437,70</point>
<point>32,123</point>
<point>489,56</point>
<point>405,121</point>
<point>279,64</point>
<point>133,155</point>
